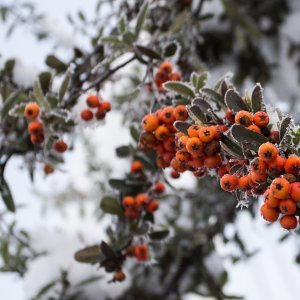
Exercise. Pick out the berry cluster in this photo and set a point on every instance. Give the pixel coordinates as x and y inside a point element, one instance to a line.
<point>36,128</point>
<point>164,74</point>
<point>140,252</point>
<point>159,135</point>
<point>100,107</point>
<point>199,150</point>
<point>142,203</point>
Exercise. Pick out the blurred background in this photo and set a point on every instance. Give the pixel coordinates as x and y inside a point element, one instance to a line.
<point>258,41</point>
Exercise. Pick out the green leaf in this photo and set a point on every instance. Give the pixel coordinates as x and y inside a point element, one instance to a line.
<point>141,19</point>
<point>55,63</point>
<point>39,95</point>
<point>257,99</point>
<point>201,82</point>
<point>194,79</point>
<point>180,88</point>
<point>45,289</point>
<point>148,52</point>
<point>9,67</point>
<point>81,16</point>
<point>284,124</point>
<point>196,114</point>
<point>243,135</point>
<point>202,104</point>
<point>122,25</point>
<point>231,147</point>
<point>159,235</point>
<point>88,255</point>
<point>234,101</point>
<point>112,40</point>
<point>10,101</point>
<point>182,126</point>
<point>123,151</point>
<point>178,22</point>
<point>128,37</point>
<point>64,86</point>
<point>214,96</point>
<point>45,81</point>
<point>17,111</point>
<point>111,205</point>
<point>134,133</point>
<point>170,49</point>
<point>107,250</point>
<point>7,196</point>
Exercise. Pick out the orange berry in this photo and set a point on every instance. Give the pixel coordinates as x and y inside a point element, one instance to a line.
<point>194,145</point>
<point>229,182</point>
<point>270,200</point>
<point>159,187</point>
<point>132,213</point>
<point>277,166</point>
<point>243,183</point>
<point>274,137</point>
<point>152,206</point>
<point>206,134</point>
<point>224,169</point>
<point>175,76</point>
<point>280,188</point>
<point>169,143</point>
<point>258,165</point>
<point>31,111</point>
<point>230,116</point>
<point>36,128</point>
<point>106,105</point>
<point>141,200</point>
<point>258,177</point>
<point>244,118</point>
<point>128,201</point>
<point>130,251</point>
<point>196,163</point>
<point>48,169</point>
<point>174,174</point>
<point>119,276</point>
<point>168,156</point>
<point>183,156</point>
<point>288,222</point>
<point>193,131</point>
<point>166,67</point>
<point>261,119</point>
<point>292,165</point>
<point>295,191</point>
<point>60,146</point>
<point>267,152</point>
<point>86,115</point>
<point>182,141</point>
<point>269,214</point>
<point>254,128</point>
<point>180,113</point>
<point>162,132</point>
<point>37,138</point>
<point>161,77</point>
<point>287,207</point>
<point>136,167</point>
<point>213,162</point>
<point>150,123</point>
<point>100,113</point>
<point>92,101</point>
<point>167,115</point>
<point>141,252</point>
